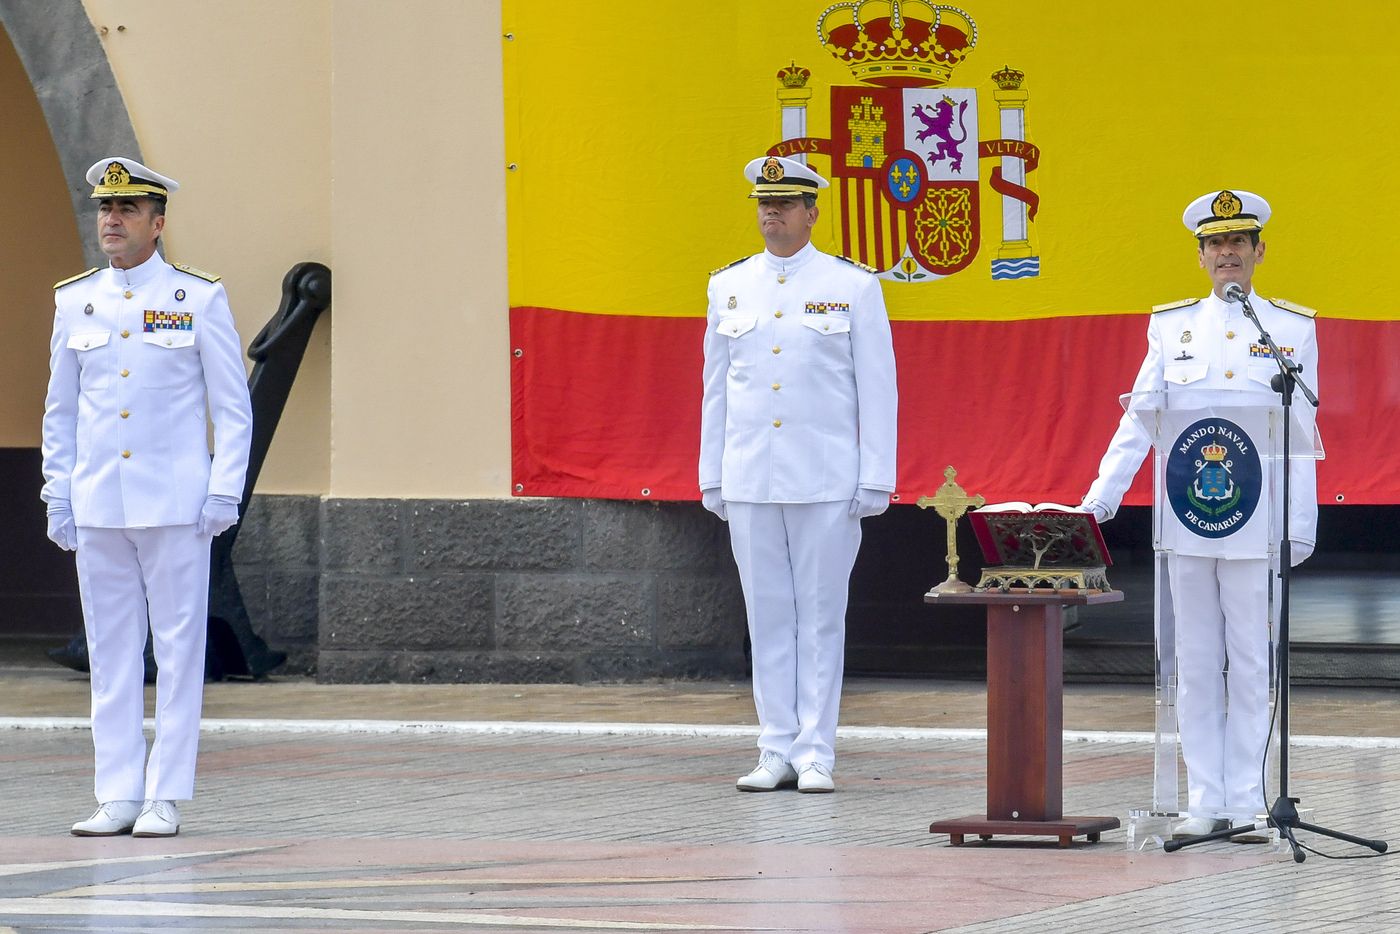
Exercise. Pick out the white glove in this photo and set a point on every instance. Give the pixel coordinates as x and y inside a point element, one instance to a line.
<point>63,532</point>
<point>1298,552</point>
<point>713,500</point>
<point>1096,509</point>
<point>218,515</point>
<point>869,502</point>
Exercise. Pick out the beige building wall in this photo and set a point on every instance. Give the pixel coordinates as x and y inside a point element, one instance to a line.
<point>40,243</point>
<point>233,101</point>
<point>421,383</point>
<point>366,135</point>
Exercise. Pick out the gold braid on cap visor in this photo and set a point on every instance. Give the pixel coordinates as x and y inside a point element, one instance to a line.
<point>765,190</point>
<point>133,189</point>
<point>1229,225</point>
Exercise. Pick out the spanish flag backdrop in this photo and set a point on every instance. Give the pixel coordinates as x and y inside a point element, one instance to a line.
<point>1016,171</point>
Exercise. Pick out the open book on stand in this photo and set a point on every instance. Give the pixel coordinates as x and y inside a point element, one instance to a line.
<point>1040,547</point>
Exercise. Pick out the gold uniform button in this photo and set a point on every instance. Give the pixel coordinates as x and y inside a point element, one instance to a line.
<point>777,314</point>
<point>777,350</point>
<point>126,294</point>
<point>777,386</point>
<point>126,413</point>
<point>777,423</point>
<point>826,327</point>
<point>126,372</point>
<point>126,453</point>
<point>1229,335</point>
<point>167,342</point>
<point>125,333</point>
<point>1229,374</point>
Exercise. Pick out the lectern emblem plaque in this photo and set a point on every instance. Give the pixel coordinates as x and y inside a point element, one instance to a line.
<point>1214,479</point>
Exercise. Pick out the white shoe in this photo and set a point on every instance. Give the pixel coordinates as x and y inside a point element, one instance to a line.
<point>110,819</point>
<point>1249,836</point>
<point>815,779</point>
<point>157,819</point>
<point>1196,827</point>
<point>771,773</point>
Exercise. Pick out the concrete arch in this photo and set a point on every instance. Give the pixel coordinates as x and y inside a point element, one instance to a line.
<point>75,86</point>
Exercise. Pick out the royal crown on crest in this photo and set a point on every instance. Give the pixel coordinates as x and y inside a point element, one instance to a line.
<point>897,43</point>
<point>794,76</point>
<point>1008,79</point>
<point>1214,452</point>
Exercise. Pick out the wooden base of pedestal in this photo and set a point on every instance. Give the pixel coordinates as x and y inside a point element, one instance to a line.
<point>1066,828</point>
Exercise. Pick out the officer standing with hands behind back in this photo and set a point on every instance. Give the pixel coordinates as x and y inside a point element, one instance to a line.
<point>797,444</point>
<point>142,353</point>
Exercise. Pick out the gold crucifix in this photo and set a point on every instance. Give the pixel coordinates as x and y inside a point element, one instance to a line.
<point>951,501</point>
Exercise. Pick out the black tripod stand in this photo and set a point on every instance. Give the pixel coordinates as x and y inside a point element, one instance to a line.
<point>1284,812</point>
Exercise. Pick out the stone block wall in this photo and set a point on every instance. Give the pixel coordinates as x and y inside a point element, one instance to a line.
<point>277,559</point>
<point>527,590</point>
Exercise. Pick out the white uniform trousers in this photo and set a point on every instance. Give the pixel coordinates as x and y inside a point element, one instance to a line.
<point>795,565</point>
<point>122,572</point>
<point>1221,608</point>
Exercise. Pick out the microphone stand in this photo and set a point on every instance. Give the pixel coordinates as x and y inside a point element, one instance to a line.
<point>1284,812</point>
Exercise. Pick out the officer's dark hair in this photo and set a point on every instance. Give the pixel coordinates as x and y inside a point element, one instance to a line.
<point>157,204</point>
<point>1253,240</point>
<point>809,201</point>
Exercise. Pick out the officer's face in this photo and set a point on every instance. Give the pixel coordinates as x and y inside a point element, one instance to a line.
<point>786,224</point>
<point>1230,257</point>
<point>127,229</point>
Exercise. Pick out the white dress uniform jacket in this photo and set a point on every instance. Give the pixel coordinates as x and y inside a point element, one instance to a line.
<point>136,356</point>
<point>799,381</point>
<point>1219,588</point>
<point>1210,349</point>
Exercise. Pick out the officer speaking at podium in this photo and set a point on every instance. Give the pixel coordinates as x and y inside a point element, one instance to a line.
<point>143,352</point>
<point>1208,351</point>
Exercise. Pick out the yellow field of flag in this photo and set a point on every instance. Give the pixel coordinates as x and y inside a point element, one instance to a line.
<point>627,125</point>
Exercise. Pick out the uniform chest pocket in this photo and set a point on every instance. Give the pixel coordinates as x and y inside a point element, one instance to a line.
<point>169,358</point>
<point>1181,374</point>
<point>94,358</point>
<point>736,327</point>
<point>827,324</point>
<point>1263,372</point>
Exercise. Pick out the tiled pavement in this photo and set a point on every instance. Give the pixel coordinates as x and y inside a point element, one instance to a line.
<point>458,826</point>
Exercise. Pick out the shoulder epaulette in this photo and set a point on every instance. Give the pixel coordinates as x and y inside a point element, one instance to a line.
<point>729,265</point>
<point>1170,305</point>
<point>858,265</point>
<point>1286,305</point>
<point>197,273</point>
<point>71,279</point>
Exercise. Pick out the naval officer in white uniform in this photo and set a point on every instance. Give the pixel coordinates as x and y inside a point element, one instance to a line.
<point>1220,595</point>
<point>797,444</point>
<point>143,352</point>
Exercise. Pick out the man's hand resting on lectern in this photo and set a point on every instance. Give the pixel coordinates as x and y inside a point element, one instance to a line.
<point>1096,509</point>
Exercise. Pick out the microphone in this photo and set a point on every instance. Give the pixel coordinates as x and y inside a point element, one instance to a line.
<point>1234,292</point>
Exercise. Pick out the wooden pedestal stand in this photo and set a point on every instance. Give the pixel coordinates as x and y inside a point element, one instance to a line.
<point>1025,718</point>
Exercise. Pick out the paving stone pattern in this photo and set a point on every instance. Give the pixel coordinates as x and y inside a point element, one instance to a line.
<point>669,802</point>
